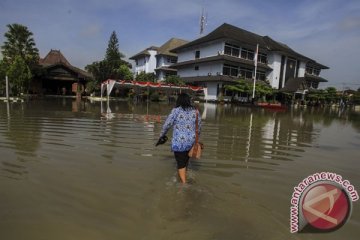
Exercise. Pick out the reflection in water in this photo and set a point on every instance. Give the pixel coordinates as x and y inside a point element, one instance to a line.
<point>91,171</point>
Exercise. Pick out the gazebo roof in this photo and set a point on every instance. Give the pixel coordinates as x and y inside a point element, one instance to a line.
<point>55,58</point>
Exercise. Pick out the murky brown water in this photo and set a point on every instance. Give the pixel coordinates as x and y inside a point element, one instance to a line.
<point>69,172</point>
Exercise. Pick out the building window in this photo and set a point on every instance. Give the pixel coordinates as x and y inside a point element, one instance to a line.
<point>231,50</point>
<point>312,71</point>
<point>171,60</point>
<point>247,54</point>
<point>197,54</point>
<point>316,72</point>
<point>260,75</point>
<point>262,58</point>
<point>196,68</point>
<point>246,73</point>
<point>136,62</point>
<point>230,70</point>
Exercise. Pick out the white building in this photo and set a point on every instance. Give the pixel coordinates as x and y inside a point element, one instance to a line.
<point>227,54</point>
<point>158,60</point>
<point>145,61</point>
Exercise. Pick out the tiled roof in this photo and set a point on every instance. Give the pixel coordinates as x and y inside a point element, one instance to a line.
<point>169,45</point>
<point>293,85</point>
<point>55,57</point>
<point>230,32</point>
<point>299,83</point>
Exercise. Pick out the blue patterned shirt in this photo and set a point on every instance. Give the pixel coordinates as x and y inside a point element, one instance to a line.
<point>183,122</point>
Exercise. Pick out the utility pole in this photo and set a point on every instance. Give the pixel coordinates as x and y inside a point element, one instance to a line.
<point>7,88</point>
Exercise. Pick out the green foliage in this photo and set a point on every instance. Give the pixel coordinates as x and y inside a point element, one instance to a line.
<point>330,94</point>
<point>112,52</point>
<point>20,58</point>
<point>155,97</point>
<point>262,90</point>
<point>19,76</point>
<point>19,43</point>
<point>124,73</point>
<point>99,70</point>
<point>174,79</point>
<point>91,87</point>
<point>3,70</point>
<point>112,66</point>
<point>146,77</point>
<point>241,87</point>
<point>331,90</point>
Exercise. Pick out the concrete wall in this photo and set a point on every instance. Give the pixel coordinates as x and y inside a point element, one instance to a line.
<point>207,50</point>
<point>302,68</point>
<point>204,70</point>
<point>274,61</point>
<point>151,62</point>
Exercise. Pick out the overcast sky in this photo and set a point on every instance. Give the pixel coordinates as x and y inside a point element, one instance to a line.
<point>327,31</point>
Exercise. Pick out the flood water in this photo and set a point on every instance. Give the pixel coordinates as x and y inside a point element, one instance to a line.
<point>69,171</point>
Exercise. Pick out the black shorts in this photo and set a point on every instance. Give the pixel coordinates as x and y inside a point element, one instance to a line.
<point>182,159</point>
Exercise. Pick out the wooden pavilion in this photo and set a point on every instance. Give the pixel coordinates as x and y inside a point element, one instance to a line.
<point>59,77</point>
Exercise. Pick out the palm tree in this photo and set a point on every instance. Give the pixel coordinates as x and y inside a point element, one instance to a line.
<point>20,57</point>
<point>19,42</point>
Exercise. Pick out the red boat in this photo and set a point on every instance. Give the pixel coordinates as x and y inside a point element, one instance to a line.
<point>271,105</point>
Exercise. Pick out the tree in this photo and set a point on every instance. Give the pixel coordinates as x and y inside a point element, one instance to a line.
<point>99,70</point>
<point>241,87</point>
<point>124,73</point>
<point>174,79</point>
<point>2,76</point>
<point>112,66</point>
<point>146,77</point>
<point>263,90</point>
<point>20,75</point>
<point>331,95</point>
<point>112,52</point>
<point>19,42</point>
<point>20,57</point>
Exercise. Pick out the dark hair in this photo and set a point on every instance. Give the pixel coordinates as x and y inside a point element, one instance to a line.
<point>183,101</point>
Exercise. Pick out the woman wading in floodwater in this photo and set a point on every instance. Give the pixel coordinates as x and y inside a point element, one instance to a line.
<point>182,118</point>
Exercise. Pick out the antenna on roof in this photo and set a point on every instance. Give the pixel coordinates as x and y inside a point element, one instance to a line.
<point>203,21</point>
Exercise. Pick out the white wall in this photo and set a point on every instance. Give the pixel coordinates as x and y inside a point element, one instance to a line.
<point>204,70</point>
<point>151,65</point>
<point>207,50</point>
<point>161,61</point>
<point>211,90</point>
<point>140,67</point>
<point>302,68</point>
<point>274,61</point>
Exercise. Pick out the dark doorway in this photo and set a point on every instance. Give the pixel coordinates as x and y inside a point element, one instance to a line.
<point>290,69</point>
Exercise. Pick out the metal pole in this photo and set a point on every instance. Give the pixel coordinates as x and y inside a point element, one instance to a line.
<point>7,88</point>
<point>255,62</point>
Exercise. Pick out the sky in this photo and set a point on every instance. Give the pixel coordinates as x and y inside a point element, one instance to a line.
<point>327,31</point>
